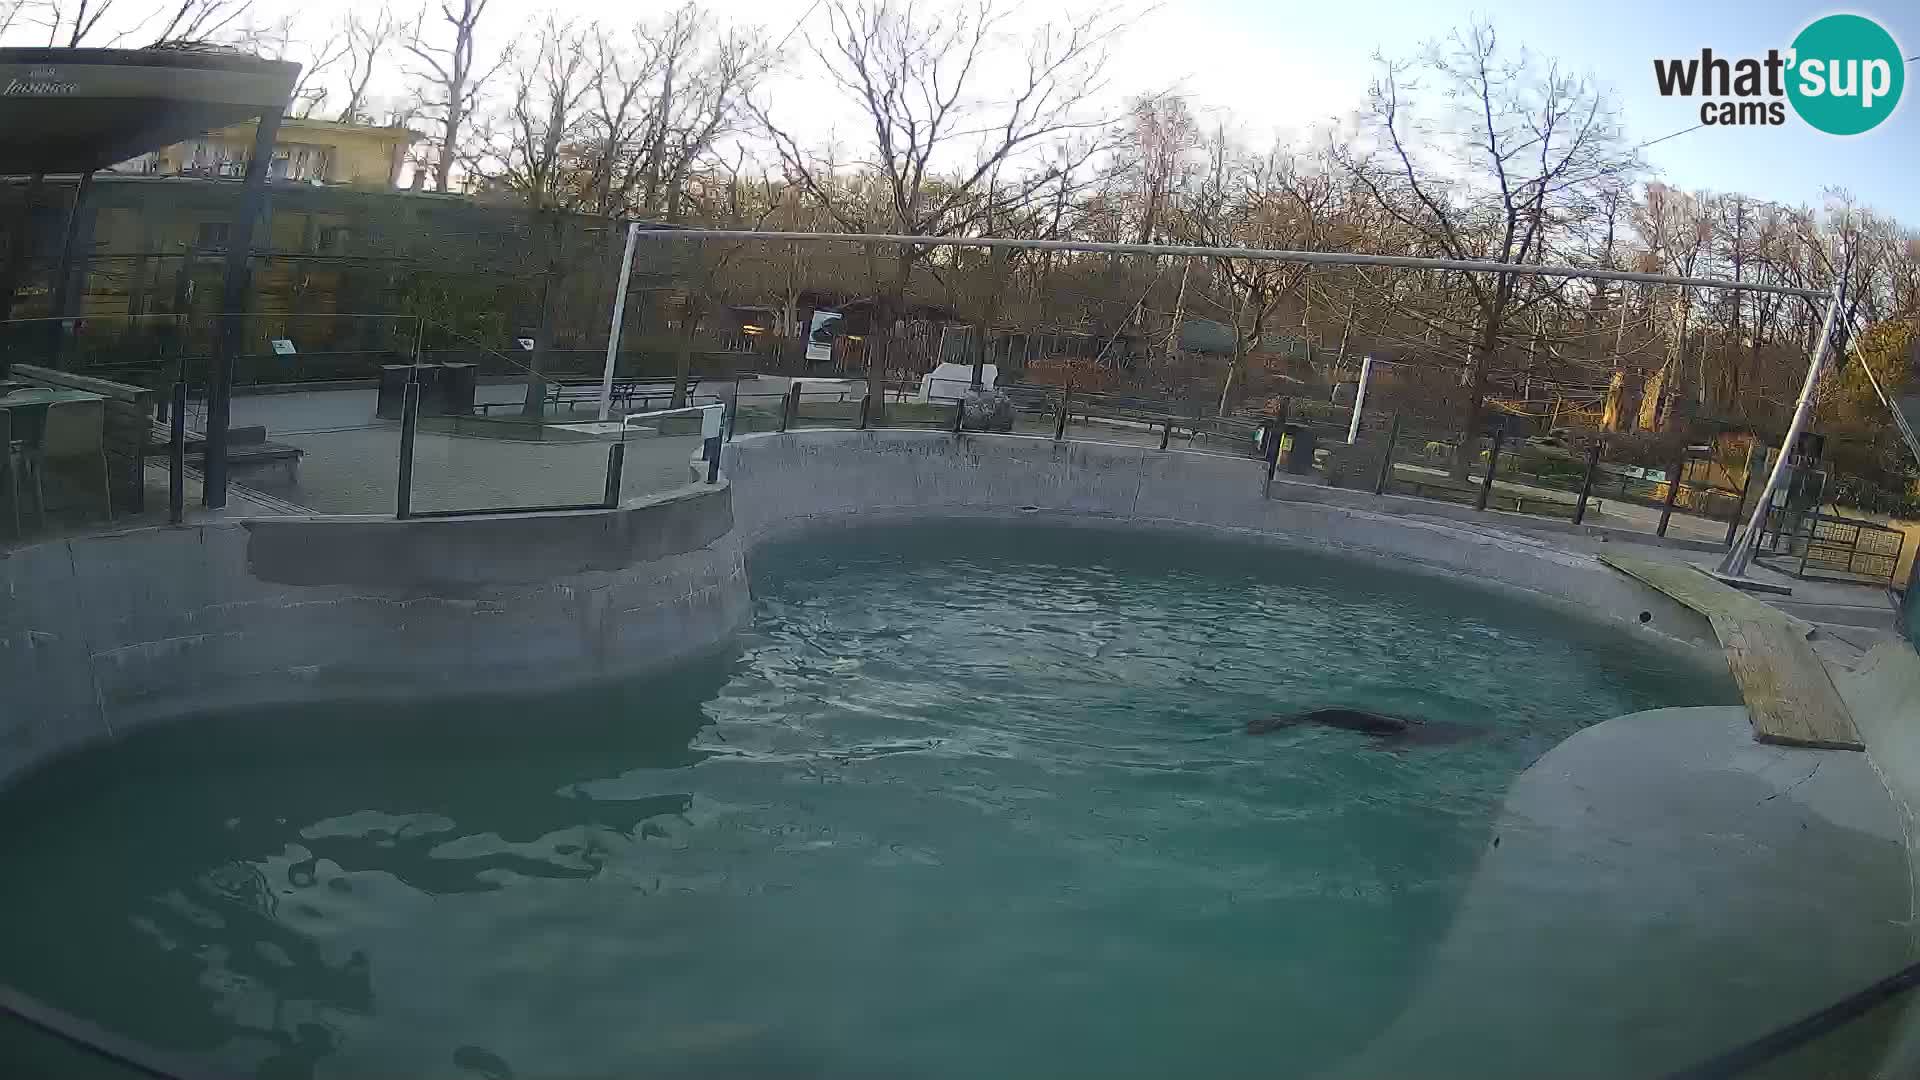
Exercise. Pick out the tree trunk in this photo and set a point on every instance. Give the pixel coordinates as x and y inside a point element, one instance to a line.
<point>535,402</point>
<point>1466,449</point>
<point>683,353</point>
<point>880,334</point>
<point>449,138</point>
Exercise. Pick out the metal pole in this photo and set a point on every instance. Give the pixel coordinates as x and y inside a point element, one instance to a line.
<point>1735,564</point>
<point>619,316</point>
<point>1755,456</point>
<point>63,276</point>
<point>1166,432</point>
<point>959,415</point>
<point>1060,422</point>
<point>177,456</point>
<point>1386,459</point>
<point>409,421</point>
<point>233,296</point>
<point>733,406</point>
<point>1360,399</point>
<point>616,466</point>
<point>1673,492</point>
<point>1493,462</point>
<point>1272,449</point>
<point>1326,258</point>
<point>865,401</point>
<point>1586,482</point>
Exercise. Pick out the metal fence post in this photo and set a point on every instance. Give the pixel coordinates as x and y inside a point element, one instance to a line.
<point>1272,450</point>
<point>1673,492</point>
<point>1166,432</point>
<point>1060,422</point>
<point>959,415</point>
<point>177,456</point>
<point>409,421</point>
<point>1386,459</point>
<point>790,407</point>
<point>616,464</point>
<point>1493,462</point>
<point>1586,482</point>
<point>866,403</point>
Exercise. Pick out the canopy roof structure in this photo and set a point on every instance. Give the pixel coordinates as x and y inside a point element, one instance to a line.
<point>77,110</point>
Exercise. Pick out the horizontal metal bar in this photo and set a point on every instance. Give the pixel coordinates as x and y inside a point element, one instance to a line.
<point>417,514</point>
<point>1332,258</point>
<point>682,411</point>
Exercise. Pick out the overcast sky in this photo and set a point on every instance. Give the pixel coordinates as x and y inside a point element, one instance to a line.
<point>1279,68</point>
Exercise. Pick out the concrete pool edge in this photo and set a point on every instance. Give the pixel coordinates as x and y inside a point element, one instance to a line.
<point>789,483</point>
<point>104,634</point>
<point>100,635</point>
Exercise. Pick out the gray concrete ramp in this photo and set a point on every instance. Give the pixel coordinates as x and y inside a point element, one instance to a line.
<point>1790,697</point>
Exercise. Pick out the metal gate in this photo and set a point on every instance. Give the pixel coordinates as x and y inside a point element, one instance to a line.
<point>1820,545</point>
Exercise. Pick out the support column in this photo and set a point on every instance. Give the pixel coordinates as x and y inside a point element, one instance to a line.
<point>254,203</point>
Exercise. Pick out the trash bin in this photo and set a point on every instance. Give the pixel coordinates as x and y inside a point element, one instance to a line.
<point>433,389</point>
<point>1296,449</point>
<point>456,388</point>
<point>393,389</point>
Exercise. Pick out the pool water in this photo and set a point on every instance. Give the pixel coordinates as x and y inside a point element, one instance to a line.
<point>968,800</point>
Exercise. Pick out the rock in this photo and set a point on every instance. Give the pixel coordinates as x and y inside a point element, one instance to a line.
<point>986,410</point>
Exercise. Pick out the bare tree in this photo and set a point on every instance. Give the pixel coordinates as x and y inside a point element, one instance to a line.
<point>700,77</point>
<point>200,20</point>
<point>1270,200</point>
<point>452,77</point>
<point>912,73</point>
<point>1164,135</point>
<point>74,21</point>
<point>366,39</point>
<point>1522,148</point>
<point>544,118</point>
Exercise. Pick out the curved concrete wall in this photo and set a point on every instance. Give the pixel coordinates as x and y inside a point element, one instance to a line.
<point>103,633</point>
<point>812,479</point>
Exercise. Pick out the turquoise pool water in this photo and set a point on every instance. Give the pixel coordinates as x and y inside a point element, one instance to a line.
<point>967,801</point>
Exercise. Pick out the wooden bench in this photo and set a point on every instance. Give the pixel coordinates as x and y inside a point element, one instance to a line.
<point>573,392</point>
<point>1449,490</point>
<point>129,434</point>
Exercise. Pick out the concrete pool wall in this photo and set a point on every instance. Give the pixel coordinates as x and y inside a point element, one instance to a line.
<point>786,483</point>
<point>100,634</point>
<point>104,633</point>
<point>1631,832</point>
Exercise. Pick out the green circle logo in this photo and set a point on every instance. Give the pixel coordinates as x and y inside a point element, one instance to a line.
<point>1846,74</point>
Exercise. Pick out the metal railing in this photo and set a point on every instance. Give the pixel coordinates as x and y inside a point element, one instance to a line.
<point>1813,545</point>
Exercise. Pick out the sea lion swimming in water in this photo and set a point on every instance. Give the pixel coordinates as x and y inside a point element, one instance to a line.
<point>1390,729</point>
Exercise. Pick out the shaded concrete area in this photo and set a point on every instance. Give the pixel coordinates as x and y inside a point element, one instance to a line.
<point>1658,889</point>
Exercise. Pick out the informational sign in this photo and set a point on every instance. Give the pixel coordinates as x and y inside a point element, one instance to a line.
<point>826,326</point>
<point>282,346</point>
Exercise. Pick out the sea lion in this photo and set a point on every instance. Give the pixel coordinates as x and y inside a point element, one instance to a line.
<point>1389,729</point>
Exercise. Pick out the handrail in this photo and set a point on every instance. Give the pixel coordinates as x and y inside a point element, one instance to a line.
<point>712,421</point>
<point>93,1039</point>
<point>1802,1031</point>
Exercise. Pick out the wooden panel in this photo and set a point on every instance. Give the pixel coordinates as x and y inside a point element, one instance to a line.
<point>1790,697</point>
